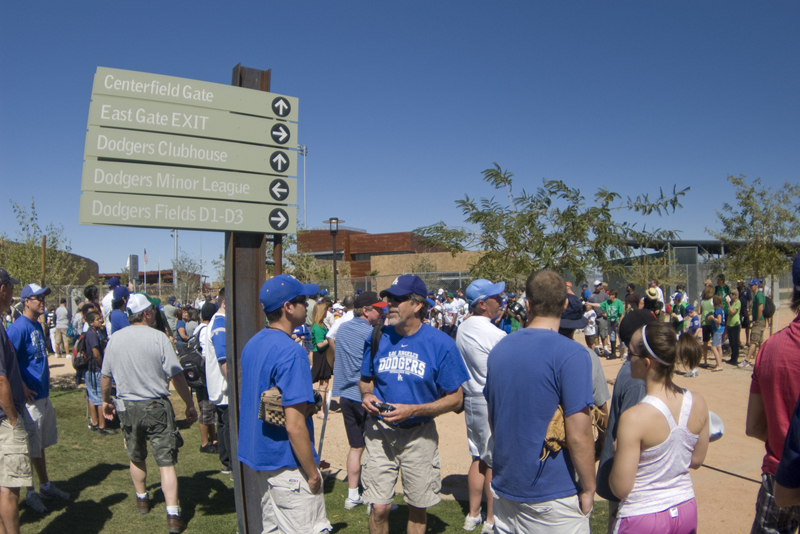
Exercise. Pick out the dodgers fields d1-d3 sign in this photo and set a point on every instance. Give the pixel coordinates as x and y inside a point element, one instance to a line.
<point>184,213</point>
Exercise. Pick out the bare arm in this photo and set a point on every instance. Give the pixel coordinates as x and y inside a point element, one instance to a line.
<point>7,401</point>
<point>301,444</point>
<point>97,356</point>
<point>756,426</point>
<point>580,441</point>
<point>626,458</point>
<point>366,387</point>
<point>448,403</point>
<point>179,381</point>
<point>105,389</point>
<point>701,448</point>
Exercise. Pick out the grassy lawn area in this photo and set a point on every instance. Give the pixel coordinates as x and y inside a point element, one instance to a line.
<point>94,470</point>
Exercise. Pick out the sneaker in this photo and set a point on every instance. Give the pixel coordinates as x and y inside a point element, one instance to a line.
<point>744,364</point>
<point>691,374</point>
<point>471,522</point>
<point>225,470</point>
<point>143,505</point>
<point>209,448</point>
<point>93,428</point>
<point>175,524</point>
<point>53,492</point>
<point>349,503</point>
<point>488,528</point>
<point>34,502</point>
<point>107,431</point>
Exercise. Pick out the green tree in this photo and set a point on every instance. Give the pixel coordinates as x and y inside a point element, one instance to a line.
<point>23,256</point>
<point>757,230</point>
<point>552,228</point>
<point>187,272</point>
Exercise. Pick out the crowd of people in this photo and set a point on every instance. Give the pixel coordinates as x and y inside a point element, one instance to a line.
<point>538,410</point>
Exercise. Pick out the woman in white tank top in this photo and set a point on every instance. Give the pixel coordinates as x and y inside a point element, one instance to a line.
<point>660,439</point>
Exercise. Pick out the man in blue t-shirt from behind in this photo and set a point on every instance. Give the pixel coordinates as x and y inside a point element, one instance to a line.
<point>415,375</point>
<point>530,373</point>
<point>350,339</point>
<point>283,457</point>
<point>27,336</point>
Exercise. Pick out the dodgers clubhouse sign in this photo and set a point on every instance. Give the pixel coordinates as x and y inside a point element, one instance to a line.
<point>166,152</point>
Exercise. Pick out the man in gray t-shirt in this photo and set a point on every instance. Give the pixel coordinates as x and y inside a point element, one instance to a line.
<point>171,313</point>
<point>598,297</point>
<point>141,361</point>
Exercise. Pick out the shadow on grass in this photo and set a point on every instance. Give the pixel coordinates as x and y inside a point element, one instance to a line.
<point>200,491</point>
<point>84,516</point>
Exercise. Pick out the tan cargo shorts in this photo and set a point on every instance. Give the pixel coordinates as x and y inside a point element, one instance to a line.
<point>287,504</point>
<point>411,452</point>
<point>15,463</point>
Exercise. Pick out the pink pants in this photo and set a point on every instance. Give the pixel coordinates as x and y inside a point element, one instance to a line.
<point>681,519</point>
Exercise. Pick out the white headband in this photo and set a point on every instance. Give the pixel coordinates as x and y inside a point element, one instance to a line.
<point>647,346</point>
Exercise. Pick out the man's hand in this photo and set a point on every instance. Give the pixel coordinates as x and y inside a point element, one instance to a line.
<point>400,413</point>
<point>191,414</point>
<point>109,410</point>
<point>367,400</point>
<point>586,499</point>
<point>30,396</point>
<point>315,481</point>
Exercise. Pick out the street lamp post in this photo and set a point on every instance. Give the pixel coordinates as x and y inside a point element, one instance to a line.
<point>303,150</point>
<point>334,226</point>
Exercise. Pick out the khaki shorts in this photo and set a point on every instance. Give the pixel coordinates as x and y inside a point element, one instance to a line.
<point>559,515</point>
<point>206,413</point>
<point>15,464</point>
<point>757,333</point>
<point>154,421</point>
<point>41,426</point>
<point>602,327</point>
<point>62,339</point>
<point>288,505</point>
<point>412,452</point>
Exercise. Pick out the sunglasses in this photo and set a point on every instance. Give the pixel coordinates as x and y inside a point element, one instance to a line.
<point>394,298</point>
<point>40,298</point>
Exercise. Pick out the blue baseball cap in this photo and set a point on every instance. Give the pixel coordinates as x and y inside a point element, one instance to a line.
<point>120,293</point>
<point>403,285</point>
<point>689,308</point>
<point>755,282</point>
<point>323,292</point>
<point>113,282</point>
<point>33,290</point>
<point>482,289</point>
<point>283,288</point>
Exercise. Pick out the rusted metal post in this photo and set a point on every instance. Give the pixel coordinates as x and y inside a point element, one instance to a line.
<point>44,254</point>
<point>245,272</point>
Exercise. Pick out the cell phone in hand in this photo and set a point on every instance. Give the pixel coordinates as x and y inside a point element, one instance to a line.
<point>383,407</point>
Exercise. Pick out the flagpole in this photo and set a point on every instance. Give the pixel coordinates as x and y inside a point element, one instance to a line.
<point>145,269</point>
<point>159,277</point>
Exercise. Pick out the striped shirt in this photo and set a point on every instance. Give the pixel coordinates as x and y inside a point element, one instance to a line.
<point>350,341</point>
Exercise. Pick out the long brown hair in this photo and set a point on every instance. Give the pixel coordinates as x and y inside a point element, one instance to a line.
<point>320,310</point>
<point>661,339</point>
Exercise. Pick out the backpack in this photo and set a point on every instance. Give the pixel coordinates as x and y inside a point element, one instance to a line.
<point>769,308</point>
<point>80,360</point>
<point>192,360</point>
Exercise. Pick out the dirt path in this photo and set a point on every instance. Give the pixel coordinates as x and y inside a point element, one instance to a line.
<point>726,487</point>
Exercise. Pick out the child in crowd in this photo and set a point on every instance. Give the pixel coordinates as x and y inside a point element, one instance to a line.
<point>590,331</point>
<point>694,328</point>
<point>718,327</point>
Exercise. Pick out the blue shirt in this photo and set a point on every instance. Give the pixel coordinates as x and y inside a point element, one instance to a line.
<point>28,339</point>
<point>721,327</point>
<point>9,368</point>
<point>415,369</point>
<point>218,337</point>
<point>788,472</point>
<point>529,374</point>
<point>272,358</point>
<point>694,324</point>
<point>350,340</point>
<point>118,320</point>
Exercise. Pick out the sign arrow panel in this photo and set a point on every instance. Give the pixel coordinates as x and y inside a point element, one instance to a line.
<point>280,134</point>
<point>279,190</point>
<point>278,161</point>
<point>278,219</point>
<point>281,106</point>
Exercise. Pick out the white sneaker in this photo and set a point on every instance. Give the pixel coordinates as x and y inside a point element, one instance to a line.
<point>349,503</point>
<point>471,522</point>
<point>34,502</point>
<point>53,492</point>
<point>488,528</point>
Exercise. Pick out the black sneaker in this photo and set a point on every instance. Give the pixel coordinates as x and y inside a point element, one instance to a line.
<point>107,431</point>
<point>209,448</point>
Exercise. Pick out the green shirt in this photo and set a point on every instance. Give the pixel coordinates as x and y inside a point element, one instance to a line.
<point>706,311</point>
<point>614,310</point>
<point>318,336</point>
<point>680,309</point>
<point>734,317</point>
<point>758,298</point>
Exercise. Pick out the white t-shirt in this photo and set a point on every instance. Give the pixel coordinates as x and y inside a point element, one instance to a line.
<point>451,312</point>
<point>476,337</point>
<point>336,324</point>
<point>591,328</point>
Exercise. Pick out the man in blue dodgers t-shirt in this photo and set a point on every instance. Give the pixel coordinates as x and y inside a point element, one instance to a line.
<point>418,371</point>
<point>530,373</point>
<point>27,336</point>
<point>284,458</point>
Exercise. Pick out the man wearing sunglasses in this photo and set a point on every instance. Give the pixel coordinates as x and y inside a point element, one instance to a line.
<point>401,390</point>
<point>27,336</point>
<point>283,457</point>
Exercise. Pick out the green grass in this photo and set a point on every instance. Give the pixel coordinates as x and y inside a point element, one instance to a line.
<point>94,470</point>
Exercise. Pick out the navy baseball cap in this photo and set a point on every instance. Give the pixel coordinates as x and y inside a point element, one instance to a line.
<point>403,285</point>
<point>573,318</point>
<point>33,290</point>
<point>283,288</point>
<point>113,282</point>
<point>6,278</point>
<point>120,293</point>
<point>482,289</point>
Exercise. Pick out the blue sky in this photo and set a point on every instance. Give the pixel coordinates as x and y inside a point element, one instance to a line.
<point>403,104</point>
